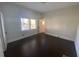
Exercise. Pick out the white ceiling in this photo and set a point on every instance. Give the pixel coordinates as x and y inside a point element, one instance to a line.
<point>45,7</point>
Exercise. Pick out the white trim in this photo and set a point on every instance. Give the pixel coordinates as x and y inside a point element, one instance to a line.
<point>59,36</point>
<point>3,31</point>
<point>12,40</point>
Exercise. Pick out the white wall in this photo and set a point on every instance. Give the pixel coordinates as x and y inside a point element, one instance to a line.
<point>62,23</point>
<point>12,14</point>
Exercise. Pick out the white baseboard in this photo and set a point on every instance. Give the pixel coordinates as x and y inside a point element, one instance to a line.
<point>12,40</point>
<point>59,36</point>
<point>34,34</point>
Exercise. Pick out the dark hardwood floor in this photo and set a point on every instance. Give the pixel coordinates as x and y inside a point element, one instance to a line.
<point>41,45</point>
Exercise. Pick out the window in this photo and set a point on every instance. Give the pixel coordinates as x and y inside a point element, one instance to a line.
<point>33,24</point>
<point>24,24</point>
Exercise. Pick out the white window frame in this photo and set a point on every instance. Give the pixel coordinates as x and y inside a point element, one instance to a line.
<point>33,24</point>
<point>25,27</point>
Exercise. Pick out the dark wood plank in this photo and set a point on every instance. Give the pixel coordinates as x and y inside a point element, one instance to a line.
<point>41,45</point>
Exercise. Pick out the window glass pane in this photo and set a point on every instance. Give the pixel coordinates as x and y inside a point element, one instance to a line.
<point>33,24</point>
<point>24,24</point>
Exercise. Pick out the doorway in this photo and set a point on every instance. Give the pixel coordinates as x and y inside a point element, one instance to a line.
<point>42,25</point>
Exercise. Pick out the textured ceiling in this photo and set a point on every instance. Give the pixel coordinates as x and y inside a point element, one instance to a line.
<point>45,7</point>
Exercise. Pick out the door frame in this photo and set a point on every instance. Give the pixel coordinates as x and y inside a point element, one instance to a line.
<point>3,31</point>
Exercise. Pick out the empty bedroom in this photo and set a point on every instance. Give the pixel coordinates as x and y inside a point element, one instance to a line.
<point>39,29</point>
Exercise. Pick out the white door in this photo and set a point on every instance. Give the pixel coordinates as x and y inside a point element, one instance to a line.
<point>2,32</point>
